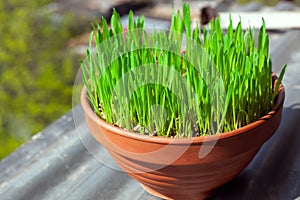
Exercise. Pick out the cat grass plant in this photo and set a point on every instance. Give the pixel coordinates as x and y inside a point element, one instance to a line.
<point>178,82</point>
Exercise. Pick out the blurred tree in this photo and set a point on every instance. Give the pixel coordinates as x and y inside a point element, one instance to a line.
<point>36,72</point>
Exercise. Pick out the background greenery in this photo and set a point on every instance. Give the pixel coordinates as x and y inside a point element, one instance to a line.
<point>36,72</point>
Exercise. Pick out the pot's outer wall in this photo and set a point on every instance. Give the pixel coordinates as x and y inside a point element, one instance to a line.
<point>172,168</point>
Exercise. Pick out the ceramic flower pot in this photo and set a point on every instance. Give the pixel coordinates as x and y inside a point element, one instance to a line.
<point>172,168</point>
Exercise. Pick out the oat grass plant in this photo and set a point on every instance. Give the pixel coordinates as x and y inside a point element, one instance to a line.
<point>141,80</point>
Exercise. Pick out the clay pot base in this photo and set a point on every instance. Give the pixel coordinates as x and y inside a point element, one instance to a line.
<point>154,193</point>
<point>159,195</point>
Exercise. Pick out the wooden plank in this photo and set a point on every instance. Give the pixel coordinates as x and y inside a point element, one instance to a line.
<point>277,20</point>
<point>56,165</point>
<point>164,11</point>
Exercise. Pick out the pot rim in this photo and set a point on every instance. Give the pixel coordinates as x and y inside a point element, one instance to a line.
<point>166,140</point>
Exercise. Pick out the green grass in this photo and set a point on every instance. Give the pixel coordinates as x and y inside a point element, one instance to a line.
<point>141,80</point>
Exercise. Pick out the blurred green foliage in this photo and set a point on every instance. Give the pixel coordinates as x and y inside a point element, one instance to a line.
<point>36,71</point>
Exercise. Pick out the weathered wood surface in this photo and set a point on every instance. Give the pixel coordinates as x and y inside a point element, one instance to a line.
<point>56,165</point>
<point>276,20</point>
<point>285,15</point>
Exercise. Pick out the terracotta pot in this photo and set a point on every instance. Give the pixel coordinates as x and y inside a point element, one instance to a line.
<point>171,168</point>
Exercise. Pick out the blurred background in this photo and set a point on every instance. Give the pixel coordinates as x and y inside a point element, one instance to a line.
<point>41,43</point>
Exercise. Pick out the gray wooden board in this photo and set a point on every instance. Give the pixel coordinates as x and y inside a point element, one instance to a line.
<point>55,164</point>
